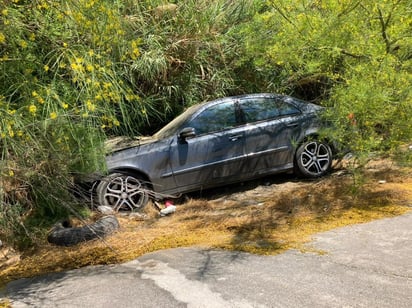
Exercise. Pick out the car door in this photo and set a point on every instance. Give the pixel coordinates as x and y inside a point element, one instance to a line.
<point>214,153</point>
<point>273,126</point>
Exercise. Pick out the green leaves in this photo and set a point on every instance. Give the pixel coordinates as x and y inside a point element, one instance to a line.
<point>350,55</point>
<point>74,71</point>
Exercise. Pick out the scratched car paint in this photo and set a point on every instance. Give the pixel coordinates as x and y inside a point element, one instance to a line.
<point>227,140</point>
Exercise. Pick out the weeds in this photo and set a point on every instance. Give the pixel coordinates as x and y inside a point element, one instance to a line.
<point>76,71</point>
<point>263,219</point>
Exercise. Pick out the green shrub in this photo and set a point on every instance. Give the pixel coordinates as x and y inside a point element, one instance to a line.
<point>61,89</point>
<point>77,71</point>
<point>352,56</point>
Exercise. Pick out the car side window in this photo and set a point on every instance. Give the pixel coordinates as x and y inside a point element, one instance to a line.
<point>286,109</point>
<point>261,109</point>
<point>215,118</point>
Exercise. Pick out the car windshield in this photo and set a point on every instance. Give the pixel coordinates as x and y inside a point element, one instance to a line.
<point>173,126</point>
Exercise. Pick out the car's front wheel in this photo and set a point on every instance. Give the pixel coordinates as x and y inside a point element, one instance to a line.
<point>123,191</point>
<point>313,159</point>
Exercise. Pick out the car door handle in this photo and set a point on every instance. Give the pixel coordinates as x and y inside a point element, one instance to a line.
<point>292,124</point>
<point>235,137</point>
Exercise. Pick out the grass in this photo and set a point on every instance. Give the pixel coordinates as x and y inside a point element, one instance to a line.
<point>262,217</point>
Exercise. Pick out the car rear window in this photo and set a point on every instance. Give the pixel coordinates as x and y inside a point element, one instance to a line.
<point>262,109</point>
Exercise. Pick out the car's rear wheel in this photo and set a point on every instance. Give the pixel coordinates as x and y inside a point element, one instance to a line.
<point>313,159</point>
<point>123,192</point>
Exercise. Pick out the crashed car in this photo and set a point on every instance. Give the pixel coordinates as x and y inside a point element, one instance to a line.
<point>223,141</point>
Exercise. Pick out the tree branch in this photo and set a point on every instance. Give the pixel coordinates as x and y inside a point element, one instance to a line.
<point>384,25</point>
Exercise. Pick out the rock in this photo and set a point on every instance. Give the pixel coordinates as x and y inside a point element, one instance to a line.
<point>105,210</point>
<point>8,257</point>
<point>137,216</point>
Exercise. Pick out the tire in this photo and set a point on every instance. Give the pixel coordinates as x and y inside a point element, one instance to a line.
<point>313,159</point>
<point>123,192</point>
<point>64,235</point>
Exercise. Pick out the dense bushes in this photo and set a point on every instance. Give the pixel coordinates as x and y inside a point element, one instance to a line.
<point>75,71</point>
<point>355,56</point>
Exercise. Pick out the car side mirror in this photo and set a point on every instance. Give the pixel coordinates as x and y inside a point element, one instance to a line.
<point>187,132</point>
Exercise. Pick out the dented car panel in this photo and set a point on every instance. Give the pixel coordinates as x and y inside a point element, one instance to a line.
<point>224,141</point>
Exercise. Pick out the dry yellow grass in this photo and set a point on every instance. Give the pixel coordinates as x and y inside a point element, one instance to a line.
<point>265,219</point>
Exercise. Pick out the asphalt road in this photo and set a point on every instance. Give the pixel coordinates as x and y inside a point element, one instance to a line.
<point>367,265</point>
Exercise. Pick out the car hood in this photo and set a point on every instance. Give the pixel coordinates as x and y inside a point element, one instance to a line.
<point>116,144</point>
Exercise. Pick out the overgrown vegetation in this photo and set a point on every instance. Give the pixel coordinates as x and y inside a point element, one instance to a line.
<point>76,71</point>
<point>354,56</point>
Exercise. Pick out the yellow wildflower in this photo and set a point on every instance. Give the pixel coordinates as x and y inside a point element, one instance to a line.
<point>2,38</point>
<point>74,66</point>
<point>90,106</point>
<point>32,109</point>
<point>53,115</point>
<point>135,49</point>
<point>23,44</point>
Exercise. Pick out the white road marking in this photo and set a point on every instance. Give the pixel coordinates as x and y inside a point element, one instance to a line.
<point>194,293</point>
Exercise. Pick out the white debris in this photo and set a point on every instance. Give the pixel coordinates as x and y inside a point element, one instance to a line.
<point>137,216</point>
<point>106,210</point>
<point>168,210</point>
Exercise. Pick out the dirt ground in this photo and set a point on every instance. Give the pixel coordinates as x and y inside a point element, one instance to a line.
<point>265,216</point>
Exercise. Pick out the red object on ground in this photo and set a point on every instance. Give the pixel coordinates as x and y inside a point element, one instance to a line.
<point>168,203</point>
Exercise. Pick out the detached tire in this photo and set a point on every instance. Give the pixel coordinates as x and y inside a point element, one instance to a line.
<point>123,191</point>
<point>64,235</point>
<point>313,159</point>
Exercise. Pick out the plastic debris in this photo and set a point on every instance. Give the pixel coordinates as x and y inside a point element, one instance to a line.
<point>169,208</point>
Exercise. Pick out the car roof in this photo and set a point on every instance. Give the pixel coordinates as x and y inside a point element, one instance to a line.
<point>237,97</point>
